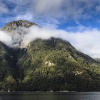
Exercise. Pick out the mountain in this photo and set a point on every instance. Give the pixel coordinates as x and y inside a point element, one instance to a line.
<point>17,30</point>
<point>46,65</point>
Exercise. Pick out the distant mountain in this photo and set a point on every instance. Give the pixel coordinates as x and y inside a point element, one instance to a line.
<point>47,65</point>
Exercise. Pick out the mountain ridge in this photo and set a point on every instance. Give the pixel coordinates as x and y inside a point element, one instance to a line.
<point>15,24</point>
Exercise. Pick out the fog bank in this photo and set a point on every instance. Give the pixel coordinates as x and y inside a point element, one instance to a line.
<point>86,41</point>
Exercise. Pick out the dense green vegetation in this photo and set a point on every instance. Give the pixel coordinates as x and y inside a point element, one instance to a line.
<point>47,65</point>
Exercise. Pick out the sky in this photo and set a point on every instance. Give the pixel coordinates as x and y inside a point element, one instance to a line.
<point>77,21</point>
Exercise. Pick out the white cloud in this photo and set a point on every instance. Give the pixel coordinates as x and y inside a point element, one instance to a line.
<point>27,16</point>
<point>86,41</point>
<point>50,11</point>
<point>19,2</point>
<point>5,38</point>
<point>65,9</point>
<point>47,7</point>
<point>54,12</point>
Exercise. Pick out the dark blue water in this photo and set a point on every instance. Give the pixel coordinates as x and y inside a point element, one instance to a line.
<point>50,96</point>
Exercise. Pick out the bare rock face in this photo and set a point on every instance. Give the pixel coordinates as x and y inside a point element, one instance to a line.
<point>17,30</point>
<point>12,26</point>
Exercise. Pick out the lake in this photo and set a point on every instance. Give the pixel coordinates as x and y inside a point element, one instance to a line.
<point>50,96</point>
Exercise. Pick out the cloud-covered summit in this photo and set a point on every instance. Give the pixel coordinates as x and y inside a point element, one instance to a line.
<point>21,33</point>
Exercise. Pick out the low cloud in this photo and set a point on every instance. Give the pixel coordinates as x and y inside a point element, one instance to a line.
<point>5,38</point>
<point>87,41</point>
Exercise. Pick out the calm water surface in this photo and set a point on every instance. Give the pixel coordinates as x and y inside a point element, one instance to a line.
<point>50,96</point>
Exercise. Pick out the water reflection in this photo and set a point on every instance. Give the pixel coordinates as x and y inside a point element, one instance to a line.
<point>49,96</point>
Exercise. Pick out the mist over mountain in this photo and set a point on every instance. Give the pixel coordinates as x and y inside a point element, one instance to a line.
<point>16,31</point>
<point>28,31</point>
<point>39,59</point>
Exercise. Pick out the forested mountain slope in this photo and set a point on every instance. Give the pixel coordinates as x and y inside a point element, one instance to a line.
<point>45,65</point>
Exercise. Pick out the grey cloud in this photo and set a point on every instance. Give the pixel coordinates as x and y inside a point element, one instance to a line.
<point>98,8</point>
<point>64,8</point>
<point>3,8</point>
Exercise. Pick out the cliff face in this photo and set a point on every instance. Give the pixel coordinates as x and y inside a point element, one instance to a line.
<point>45,65</point>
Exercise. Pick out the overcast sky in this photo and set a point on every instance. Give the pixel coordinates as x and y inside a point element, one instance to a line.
<point>79,20</point>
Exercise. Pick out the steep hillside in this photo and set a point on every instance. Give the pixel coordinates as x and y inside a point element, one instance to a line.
<point>55,64</point>
<point>47,65</point>
<point>8,69</point>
